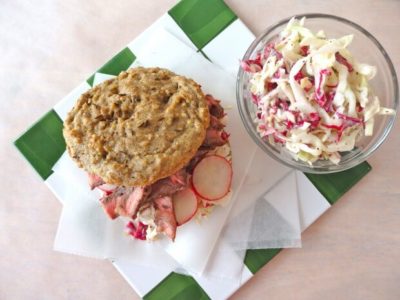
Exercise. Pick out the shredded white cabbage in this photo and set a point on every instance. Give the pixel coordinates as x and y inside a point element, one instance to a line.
<point>312,96</point>
<point>147,216</point>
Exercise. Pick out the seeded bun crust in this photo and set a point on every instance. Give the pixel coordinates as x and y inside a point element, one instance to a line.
<point>143,125</point>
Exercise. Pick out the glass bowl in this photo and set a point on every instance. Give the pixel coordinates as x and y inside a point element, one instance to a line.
<point>366,49</point>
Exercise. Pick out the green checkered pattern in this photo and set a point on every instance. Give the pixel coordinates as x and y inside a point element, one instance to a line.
<point>43,144</point>
<point>202,20</point>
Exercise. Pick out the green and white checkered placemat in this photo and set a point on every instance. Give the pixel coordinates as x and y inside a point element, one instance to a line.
<point>212,28</point>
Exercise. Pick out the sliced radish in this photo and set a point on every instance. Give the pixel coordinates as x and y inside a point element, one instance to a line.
<point>185,205</point>
<point>221,202</point>
<point>107,188</point>
<point>212,177</point>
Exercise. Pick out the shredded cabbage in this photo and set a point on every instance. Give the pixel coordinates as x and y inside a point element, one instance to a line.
<point>312,96</point>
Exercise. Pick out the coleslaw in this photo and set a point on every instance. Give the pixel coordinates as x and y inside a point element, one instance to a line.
<point>312,96</point>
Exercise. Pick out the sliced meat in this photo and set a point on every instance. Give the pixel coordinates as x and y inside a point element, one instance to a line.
<point>95,181</point>
<point>169,186</point>
<point>109,205</point>
<point>131,206</point>
<point>179,177</point>
<point>165,217</point>
<point>216,123</point>
<point>215,135</point>
<point>214,138</point>
<point>124,201</point>
<point>196,158</point>
<point>214,107</point>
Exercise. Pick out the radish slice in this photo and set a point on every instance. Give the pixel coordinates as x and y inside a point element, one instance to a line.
<point>108,188</point>
<point>185,205</point>
<point>221,202</point>
<point>212,177</point>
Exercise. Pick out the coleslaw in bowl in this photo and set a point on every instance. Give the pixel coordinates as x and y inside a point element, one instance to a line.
<point>317,92</point>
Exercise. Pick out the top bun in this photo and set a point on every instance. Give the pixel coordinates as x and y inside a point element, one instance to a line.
<point>143,125</point>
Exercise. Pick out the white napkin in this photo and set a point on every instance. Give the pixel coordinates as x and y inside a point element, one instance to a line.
<point>271,221</point>
<point>266,216</point>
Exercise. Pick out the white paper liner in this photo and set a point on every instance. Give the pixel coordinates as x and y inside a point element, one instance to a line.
<point>272,221</point>
<point>266,216</point>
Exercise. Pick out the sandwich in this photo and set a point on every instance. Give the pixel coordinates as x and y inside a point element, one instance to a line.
<point>155,147</point>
